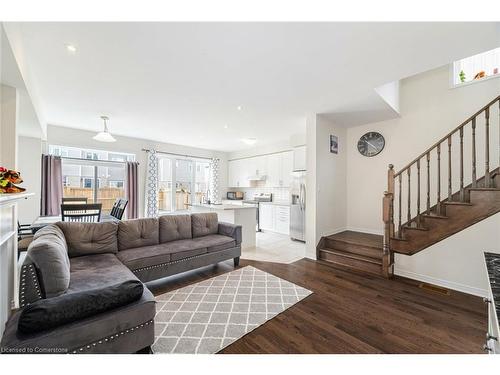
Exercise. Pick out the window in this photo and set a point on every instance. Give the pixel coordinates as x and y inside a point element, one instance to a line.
<point>87,173</point>
<point>477,67</point>
<point>182,182</point>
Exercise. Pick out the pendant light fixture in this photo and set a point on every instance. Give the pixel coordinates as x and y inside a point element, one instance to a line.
<point>104,136</point>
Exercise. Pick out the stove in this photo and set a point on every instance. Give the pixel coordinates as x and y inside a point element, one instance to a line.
<point>257,199</point>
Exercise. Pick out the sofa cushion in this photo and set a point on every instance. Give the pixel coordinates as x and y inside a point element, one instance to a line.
<point>97,271</point>
<point>49,254</point>
<point>90,238</point>
<point>138,233</point>
<point>70,337</point>
<point>50,313</point>
<point>215,242</point>
<point>175,227</point>
<point>183,249</point>
<point>204,224</point>
<point>146,256</point>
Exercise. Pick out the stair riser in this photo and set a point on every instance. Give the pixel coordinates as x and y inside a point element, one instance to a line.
<point>371,252</point>
<point>349,263</point>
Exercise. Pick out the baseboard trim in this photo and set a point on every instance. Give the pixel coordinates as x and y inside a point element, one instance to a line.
<point>365,230</point>
<point>440,282</point>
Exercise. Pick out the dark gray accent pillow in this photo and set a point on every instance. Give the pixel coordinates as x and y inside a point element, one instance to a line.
<point>90,238</point>
<point>175,227</point>
<point>49,253</point>
<point>53,312</point>
<point>138,233</point>
<point>204,224</point>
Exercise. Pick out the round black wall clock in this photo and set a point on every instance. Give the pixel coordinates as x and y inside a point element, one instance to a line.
<point>371,144</point>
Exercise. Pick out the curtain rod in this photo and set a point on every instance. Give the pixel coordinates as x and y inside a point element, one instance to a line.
<point>183,155</point>
<point>96,160</point>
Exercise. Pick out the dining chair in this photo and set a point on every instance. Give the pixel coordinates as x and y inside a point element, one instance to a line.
<point>75,200</point>
<point>24,237</point>
<point>88,213</point>
<point>119,208</point>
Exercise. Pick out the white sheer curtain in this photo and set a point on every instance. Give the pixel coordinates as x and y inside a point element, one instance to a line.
<point>215,181</point>
<point>151,201</point>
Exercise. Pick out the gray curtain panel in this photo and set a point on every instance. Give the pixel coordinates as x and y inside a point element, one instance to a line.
<point>52,186</point>
<point>132,190</point>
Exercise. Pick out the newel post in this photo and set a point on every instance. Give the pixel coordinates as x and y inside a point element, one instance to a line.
<point>388,218</point>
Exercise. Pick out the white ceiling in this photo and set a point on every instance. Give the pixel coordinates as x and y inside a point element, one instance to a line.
<point>182,82</point>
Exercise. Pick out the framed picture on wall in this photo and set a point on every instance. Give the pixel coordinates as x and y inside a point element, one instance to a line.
<point>334,144</point>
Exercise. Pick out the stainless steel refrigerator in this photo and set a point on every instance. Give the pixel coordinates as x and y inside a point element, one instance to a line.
<point>298,207</point>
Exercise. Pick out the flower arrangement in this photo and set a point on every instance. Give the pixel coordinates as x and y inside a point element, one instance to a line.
<point>8,179</point>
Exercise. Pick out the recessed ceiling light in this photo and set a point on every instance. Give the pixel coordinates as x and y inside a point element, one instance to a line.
<point>249,141</point>
<point>70,48</point>
<point>225,126</point>
<point>238,108</point>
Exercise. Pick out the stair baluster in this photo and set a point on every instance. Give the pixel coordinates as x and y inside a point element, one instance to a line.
<point>408,215</point>
<point>487,149</point>
<point>428,157</point>
<point>418,193</point>
<point>449,169</point>
<point>438,205</point>
<point>462,191</point>
<point>399,207</point>
<point>474,178</point>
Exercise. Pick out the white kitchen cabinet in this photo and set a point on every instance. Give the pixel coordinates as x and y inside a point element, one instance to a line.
<point>238,172</point>
<point>299,158</point>
<point>232,173</point>
<point>279,169</point>
<point>273,170</point>
<point>274,218</point>
<point>266,217</point>
<point>286,169</point>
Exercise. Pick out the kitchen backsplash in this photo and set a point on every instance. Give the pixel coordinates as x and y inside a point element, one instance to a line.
<point>279,194</point>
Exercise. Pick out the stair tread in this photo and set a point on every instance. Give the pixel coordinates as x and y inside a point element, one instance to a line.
<point>453,203</point>
<point>415,228</point>
<point>352,255</point>
<point>484,189</point>
<point>435,216</point>
<point>359,238</point>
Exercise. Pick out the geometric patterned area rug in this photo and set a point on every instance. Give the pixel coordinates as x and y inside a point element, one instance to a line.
<point>208,316</point>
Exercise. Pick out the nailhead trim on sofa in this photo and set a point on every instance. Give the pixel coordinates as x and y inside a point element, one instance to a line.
<point>27,272</point>
<point>110,338</point>
<point>166,263</point>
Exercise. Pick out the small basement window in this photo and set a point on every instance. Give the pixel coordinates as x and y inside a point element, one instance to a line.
<point>476,68</point>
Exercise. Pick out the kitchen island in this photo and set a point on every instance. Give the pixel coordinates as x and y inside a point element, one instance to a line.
<point>246,216</point>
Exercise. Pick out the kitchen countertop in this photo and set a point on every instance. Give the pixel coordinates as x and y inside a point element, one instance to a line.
<point>493,267</point>
<point>223,206</point>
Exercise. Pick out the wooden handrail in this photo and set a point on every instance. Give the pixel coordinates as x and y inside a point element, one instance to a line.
<point>475,115</point>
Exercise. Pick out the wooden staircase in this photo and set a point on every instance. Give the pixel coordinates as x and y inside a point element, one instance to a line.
<point>409,225</point>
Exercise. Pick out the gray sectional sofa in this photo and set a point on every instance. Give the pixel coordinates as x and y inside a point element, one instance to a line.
<point>69,267</point>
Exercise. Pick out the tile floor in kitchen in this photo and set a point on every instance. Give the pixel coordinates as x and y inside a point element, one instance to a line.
<point>275,247</point>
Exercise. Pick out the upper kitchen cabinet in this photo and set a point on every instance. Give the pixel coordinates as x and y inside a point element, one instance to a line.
<point>274,170</point>
<point>239,172</point>
<point>279,168</point>
<point>299,158</point>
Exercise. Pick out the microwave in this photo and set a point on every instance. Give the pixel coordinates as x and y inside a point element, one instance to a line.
<point>235,195</point>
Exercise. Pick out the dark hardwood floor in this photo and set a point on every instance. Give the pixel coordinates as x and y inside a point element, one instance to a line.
<point>357,313</point>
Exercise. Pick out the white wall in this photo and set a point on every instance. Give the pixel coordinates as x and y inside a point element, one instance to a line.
<point>79,138</point>
<point>429,110</point>
<point>325,201</point>
<point>456,262</point>
<point>9,107</point>
<point>29,162</point>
